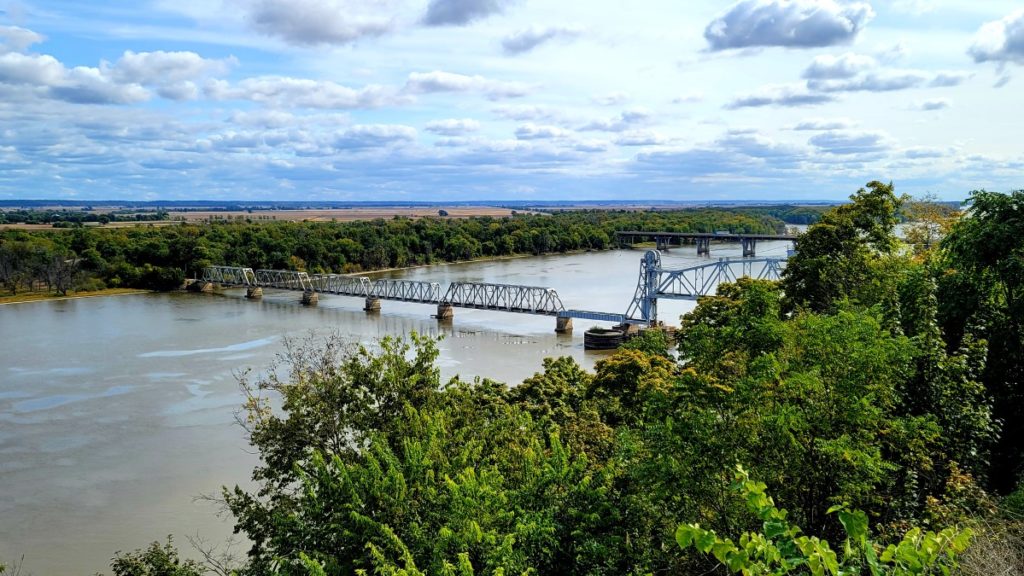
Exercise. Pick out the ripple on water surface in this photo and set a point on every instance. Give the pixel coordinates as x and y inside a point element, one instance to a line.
<point>57,400</point>
<point>250,345</point>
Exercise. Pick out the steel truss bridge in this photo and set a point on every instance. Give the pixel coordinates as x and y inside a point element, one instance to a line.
<point>479,295</point>
<point>654,283</point>
<point>664,240</point>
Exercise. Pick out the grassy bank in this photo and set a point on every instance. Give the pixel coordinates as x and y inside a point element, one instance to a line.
<point>39,296</point>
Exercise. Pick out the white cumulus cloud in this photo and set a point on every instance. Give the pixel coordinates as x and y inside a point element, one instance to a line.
<point>532,37</point>
<point>452,126</point>
<point>439,81</point>
<point>287,92</point>
<point>462,12</point>
<point>312,22</point>
<point>788,23</point>
<point>17,39</point>
<point>375,136</point>
<point>846,65</point>
<point>842,142</point>
<point>1000,41</point>
<point>532,131</point>
<point>172,73</point>
<point>934,104</point>
<point>81,84</point>
<point>785,96</point>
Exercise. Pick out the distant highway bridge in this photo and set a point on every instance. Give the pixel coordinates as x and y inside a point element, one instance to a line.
<point>664,240</point>
<point>653,284</point>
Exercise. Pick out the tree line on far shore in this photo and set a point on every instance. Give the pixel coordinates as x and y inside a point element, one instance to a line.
<point>160,258</point>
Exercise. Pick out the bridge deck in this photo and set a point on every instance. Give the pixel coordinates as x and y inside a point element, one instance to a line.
<point>711,235</point>
<point>590,315</point>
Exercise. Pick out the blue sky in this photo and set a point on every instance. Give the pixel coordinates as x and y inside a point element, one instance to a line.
<point>508,99</point>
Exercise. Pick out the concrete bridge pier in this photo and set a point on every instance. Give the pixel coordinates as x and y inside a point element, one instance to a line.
<point>372,304</point>
<point>749,247</point>
<point>254,292</point>
<point>310,298</point>
<point>200,286</point>
<point>563,325</point>
<point>703,246</point>
<point>445,311</point>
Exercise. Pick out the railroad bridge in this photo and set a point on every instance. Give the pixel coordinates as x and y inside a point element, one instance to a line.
<point>664,240</point>
<point>654,283</point>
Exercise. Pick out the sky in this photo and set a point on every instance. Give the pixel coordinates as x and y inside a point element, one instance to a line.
<point>456,100</point>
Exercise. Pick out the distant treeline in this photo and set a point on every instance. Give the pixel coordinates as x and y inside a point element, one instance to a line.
<point>161,257</point>
<point>790,214</point>
<point>70,218</point>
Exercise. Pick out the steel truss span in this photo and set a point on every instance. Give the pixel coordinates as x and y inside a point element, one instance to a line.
<point>692,283</point>
<point>406,291</point>
<point>341,284</point>
<point>229,276</point>
<point>505,297</point>
<point>284,280</point>
<point>500,297</point>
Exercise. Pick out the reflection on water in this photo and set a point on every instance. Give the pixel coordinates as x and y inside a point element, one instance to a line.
<point>116,412</point>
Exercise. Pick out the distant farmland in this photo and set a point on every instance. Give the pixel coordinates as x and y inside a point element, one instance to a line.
<point>342,215</point>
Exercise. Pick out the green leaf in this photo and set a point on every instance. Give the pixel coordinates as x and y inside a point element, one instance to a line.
<point>855,523</point>
<point>773,529</point>
<point>721,549</point>
<point>705,540</point>
<point>685,534</point>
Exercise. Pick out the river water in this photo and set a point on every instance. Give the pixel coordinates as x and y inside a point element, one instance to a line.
<point>116,413</point>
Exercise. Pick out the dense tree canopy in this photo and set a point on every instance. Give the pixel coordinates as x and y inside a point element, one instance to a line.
<point>161,257</point>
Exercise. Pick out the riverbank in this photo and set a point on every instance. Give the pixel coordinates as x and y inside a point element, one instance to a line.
<point>26,297</point>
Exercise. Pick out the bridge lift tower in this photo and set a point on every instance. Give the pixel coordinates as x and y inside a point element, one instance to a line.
<point>655,282</point>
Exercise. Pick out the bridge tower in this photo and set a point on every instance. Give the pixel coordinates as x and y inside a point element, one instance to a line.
<point>645,300</point>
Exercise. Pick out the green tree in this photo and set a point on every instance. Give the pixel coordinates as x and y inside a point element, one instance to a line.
<point>780,547</point>
<point>982,292</point>
<point>833,257</point>
<point>156,560</point>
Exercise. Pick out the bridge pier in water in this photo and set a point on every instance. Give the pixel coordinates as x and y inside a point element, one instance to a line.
<point>445,311</point>
<point>563,325</point>
<point>703,246</point>
<point>749,247</point>
<point>254,292</point>
<point>372,304</point>
<point>310,298</point>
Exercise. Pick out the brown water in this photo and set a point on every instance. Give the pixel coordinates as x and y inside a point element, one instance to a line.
<point>115,413</point>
